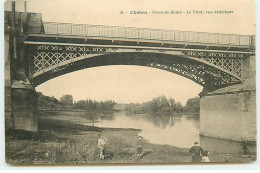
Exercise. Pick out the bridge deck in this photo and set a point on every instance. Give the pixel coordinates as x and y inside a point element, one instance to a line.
<point>171,38</point>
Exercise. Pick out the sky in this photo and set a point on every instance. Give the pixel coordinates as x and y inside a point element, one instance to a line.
<point>126,84</point>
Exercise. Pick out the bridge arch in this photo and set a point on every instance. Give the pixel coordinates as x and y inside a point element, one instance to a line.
<point>208,75</point>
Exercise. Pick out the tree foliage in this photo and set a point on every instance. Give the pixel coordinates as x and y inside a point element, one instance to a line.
<point>47,102</point>
<point>66,99</point>
<point>163,105</point>
<point>89,104</point>
<point>193,105</point>
<point>66,102</point>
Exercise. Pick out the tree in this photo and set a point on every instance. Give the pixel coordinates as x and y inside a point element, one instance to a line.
<point>163,103</point>
<point>90,104</point>
<point>193,105</point>
<point>178,107</point>
<point>158,105</point>
<point>172,104</point>
<point>81,104</point>
<point>46,101</point>
<point>67,99</point>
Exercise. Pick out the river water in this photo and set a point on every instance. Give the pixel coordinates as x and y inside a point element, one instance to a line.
<point>179,131</point>
<point>175,130</point>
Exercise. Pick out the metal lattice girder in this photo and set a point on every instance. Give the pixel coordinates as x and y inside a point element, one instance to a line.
<point>206,68</point>
<point>231,62</point>
<point>205,75</point>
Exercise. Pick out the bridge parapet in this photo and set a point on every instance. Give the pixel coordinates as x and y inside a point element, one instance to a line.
<point>143,34</point>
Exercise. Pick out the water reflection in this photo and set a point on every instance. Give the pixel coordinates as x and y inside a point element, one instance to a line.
<point>194,119</point>
<point>176,130</point>
<point>163,121</point>
<point>96,117</point>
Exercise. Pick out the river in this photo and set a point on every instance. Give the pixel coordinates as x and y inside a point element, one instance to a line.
<point>175,130</point>
<point>179,131</point>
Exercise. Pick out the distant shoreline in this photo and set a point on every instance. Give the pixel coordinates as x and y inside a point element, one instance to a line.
<point>115,110</point>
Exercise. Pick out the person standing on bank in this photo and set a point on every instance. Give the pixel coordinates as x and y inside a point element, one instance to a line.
<point>196,152</point>
<point>102,142</point>
<point>139,146</point>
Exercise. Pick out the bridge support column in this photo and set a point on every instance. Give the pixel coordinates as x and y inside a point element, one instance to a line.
<point>24,108</point>
<point>229,115</point>
<point>20,95</point>
<point>20,99</point>
<point>230,112</point>
<point>8,102</point>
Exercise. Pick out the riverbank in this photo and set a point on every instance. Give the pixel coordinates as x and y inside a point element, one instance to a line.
<point>64,141</point>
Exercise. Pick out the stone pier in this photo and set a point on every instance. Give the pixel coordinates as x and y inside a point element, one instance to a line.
<point>24,107</point>
<point>230,113</point>
<point>20,95</point>
<point>8,102</point>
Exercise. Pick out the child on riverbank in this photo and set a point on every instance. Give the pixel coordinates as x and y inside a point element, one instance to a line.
<point>205,157</point>
<point>102,141</point>
<point>139,146</point>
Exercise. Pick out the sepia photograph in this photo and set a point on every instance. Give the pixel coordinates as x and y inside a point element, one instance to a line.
<point>129,82</point>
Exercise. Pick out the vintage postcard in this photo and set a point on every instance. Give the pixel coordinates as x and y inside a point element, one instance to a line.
<point>134,82</point>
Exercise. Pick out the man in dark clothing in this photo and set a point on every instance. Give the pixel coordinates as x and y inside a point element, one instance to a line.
<point>196,152</point>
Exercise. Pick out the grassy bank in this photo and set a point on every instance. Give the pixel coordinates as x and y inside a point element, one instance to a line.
<point>68,142</point>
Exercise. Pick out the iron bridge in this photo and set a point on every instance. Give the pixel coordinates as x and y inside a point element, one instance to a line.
<point>212,60</point>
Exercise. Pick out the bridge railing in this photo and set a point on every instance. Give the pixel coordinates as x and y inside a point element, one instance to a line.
<point>139,33</point>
